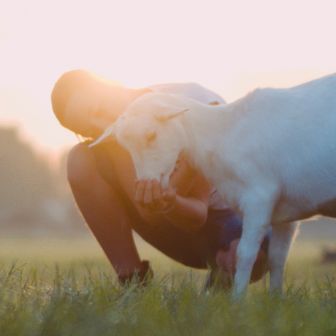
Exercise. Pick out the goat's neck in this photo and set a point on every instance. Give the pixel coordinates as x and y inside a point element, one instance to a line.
<point>204,125</point>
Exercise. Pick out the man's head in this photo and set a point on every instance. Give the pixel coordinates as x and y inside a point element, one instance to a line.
<point>87,104</point>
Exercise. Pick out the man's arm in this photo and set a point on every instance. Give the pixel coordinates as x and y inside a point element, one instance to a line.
<point>190,212</point>
<point>187,212</point>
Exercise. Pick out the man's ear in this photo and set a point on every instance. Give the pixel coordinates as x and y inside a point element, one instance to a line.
<point>167,112</point>
<point>108,135</point>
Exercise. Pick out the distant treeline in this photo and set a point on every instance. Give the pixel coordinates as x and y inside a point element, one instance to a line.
<point>34,196</point>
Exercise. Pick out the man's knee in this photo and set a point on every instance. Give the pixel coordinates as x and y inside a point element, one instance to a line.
<point>81,165</point>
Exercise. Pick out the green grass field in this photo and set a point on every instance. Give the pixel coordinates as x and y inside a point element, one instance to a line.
<point>53,287</point>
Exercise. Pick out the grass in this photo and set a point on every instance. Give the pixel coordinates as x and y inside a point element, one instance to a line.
<point>67,288</point>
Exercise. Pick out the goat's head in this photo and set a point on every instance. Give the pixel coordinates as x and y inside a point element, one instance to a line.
<point>151,130</point>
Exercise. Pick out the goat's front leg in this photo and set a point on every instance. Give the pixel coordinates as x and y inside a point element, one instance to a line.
<point>257,211</point>
<point>281,238</point>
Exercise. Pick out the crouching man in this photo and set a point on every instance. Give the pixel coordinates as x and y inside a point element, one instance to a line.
<point>188,222</point>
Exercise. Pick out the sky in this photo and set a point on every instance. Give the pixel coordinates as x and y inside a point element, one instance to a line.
<point>230,47</point>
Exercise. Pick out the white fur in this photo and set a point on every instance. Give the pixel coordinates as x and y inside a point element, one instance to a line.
<point>271,155</point>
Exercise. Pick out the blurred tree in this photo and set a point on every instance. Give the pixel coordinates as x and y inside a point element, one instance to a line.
<point>32,194</point>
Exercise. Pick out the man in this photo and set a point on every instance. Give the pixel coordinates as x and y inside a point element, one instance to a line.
<point>188,222</point>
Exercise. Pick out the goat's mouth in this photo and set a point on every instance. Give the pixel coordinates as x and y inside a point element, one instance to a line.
<point>164,180</point>
<point>165,177</point>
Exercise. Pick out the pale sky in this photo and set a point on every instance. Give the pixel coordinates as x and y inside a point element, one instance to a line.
<point>231,47</point>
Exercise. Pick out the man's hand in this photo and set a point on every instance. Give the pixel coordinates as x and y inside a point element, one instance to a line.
<point>150,195</point>
<point>188,213</point>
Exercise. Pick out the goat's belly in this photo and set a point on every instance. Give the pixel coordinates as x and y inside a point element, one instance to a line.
<point>290,210</point>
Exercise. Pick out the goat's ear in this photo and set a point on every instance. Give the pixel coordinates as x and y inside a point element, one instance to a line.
<point>107,136</point>
<point>169,112</point>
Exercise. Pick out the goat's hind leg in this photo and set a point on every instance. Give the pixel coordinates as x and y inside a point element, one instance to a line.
<point>281,238</point>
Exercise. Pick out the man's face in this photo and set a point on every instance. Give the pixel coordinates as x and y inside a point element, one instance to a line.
<point>82,116</point>
<point>90,111</point>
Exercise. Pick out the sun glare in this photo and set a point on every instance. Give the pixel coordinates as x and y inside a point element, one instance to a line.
<point>229,47</point>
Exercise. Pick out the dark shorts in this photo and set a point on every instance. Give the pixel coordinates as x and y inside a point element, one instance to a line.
<point>194,249</point>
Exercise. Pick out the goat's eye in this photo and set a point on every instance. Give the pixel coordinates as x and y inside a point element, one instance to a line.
<point>150,137</point>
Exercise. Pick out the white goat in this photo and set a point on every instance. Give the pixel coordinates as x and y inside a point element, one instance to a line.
<point>271,155</point>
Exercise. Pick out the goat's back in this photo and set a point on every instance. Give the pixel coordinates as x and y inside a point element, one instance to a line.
<point>289,136</point>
